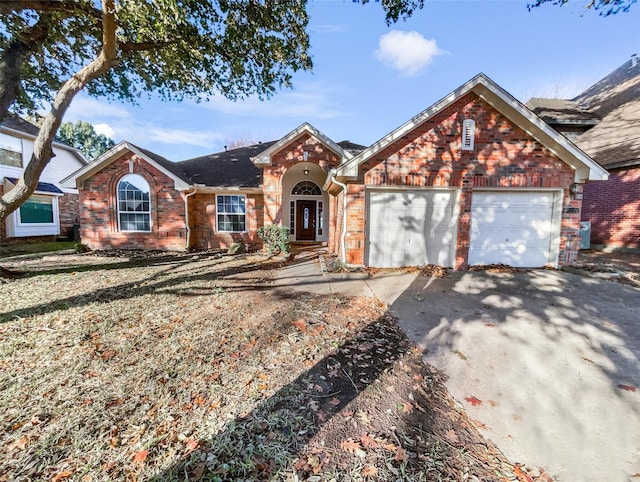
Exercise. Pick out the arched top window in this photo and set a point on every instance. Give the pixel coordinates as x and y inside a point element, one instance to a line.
<point>306,188</point>
<point>134,206</point>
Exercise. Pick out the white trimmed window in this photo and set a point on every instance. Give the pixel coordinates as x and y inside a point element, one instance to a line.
<point>231,213</point>
<point>134,206</point>
<point>38,211</point>
<point>10,151</point>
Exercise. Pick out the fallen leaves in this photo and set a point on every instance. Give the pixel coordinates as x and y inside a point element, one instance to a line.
<point>401,455</point>
<point>369,471</point>
<point>19,444</point>
<point>628,388</point>
<point>140,456</point>
<point>473,401</point>
<point>368,441</point>
<point>300,325</point>
<point>451,436</point>
<point>350,445</point>
<point>65,474</point>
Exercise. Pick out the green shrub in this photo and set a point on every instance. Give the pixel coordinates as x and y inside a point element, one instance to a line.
<point>275,238</point>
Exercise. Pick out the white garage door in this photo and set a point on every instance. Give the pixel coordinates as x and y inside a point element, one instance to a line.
<point>411,228</point>
<point>516,228</point>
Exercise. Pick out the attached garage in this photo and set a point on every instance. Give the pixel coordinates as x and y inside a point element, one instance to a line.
<point>517,228</point>
<point>411,227</point>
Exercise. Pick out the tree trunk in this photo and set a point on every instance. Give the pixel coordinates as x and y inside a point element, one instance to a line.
<point>42,148</point>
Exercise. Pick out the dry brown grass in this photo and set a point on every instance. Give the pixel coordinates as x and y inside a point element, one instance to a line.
<point>188,367</point>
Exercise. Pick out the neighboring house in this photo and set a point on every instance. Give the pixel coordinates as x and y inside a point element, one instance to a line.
<point>476,178</point>
<point>604,121</point>
<point>52,210</point>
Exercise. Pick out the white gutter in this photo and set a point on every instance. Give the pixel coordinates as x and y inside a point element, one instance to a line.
<point>186,217</point>
<point>343,255</point>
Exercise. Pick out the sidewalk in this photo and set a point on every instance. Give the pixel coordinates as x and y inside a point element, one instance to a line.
<point>306,273</point>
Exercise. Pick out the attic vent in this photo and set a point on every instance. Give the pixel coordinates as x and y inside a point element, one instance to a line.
<point>468,134</point>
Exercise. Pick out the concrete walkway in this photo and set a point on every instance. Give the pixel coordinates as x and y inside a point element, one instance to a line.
<point>547,361</point>
<point>306,273</point>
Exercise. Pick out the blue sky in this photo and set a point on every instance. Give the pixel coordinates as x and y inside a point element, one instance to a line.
<point>369,78</point>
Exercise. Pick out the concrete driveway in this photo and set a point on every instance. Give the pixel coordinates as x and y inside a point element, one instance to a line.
<point>548,361</point>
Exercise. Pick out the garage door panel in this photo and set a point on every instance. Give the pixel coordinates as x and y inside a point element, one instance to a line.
<point>411,228</point>
<point>512,228</point>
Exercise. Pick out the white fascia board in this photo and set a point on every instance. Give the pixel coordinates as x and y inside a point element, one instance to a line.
<point>264,158</point>
<point>350,168</point>
<point>232,189</point>
<point>585,167</point>
<point>75,180</point>
<point>178,183</point>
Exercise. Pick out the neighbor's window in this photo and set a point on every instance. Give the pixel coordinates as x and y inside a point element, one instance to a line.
<point>134,207</point>
<point>37,210</point>
<point>10,151</point>
<point>232,213</point>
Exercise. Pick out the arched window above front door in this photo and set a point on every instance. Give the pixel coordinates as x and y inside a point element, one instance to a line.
<point>306,188</point>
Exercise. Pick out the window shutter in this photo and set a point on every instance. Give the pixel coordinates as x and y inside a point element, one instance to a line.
<point>468,134</point>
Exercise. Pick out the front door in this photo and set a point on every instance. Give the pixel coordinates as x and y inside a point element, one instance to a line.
<point>306,220</point>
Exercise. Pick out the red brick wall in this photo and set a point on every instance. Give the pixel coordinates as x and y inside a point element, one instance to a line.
<point>69,208</point>
<point>430,155</point>
<point>202,217</point>
<point>613,207</point>
<point>98,212</point>
<point>281,161</point>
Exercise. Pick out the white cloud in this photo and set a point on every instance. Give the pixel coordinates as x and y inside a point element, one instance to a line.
<point>104,129</point>
<point>329,28</point>
<point>181,136</point>
<point>88,108</point>
<point>310,101</point>
<point>407,52</point>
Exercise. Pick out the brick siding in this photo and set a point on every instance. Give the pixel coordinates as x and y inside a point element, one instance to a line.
<point>202,218</point>
<point>98,215</point>
<point>613,207</point>
<point>430,156</point>
<point>69,209</point>
<point>281,161</point>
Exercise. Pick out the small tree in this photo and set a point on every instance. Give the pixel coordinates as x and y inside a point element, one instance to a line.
<point>275,238</point>
<point>84,137</point>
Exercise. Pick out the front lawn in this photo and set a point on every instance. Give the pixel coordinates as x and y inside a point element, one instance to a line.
<point>7,250</point>
<point>184,367</point>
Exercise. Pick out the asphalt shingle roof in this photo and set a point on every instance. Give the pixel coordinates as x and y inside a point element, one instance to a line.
<point>556,111</point>
<point>41,187</point>
<point>616,98</point>
<point>228,168</point>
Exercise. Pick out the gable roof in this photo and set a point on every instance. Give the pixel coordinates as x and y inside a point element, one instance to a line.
<point>264,157</point>
<point>16,124</point>
<point>585,167</point>
<point>616,89</point>
<point>171,169</point>
<point>561,111</point>
<point>351,147</point>
<point>232,168</point>
<point>614,142</point>
<point>41,187</point>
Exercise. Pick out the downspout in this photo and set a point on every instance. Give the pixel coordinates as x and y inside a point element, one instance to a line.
<point>186,218</point>
<point>343,255</point>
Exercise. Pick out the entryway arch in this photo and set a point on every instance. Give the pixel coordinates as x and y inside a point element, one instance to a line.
<point>305,204</point>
